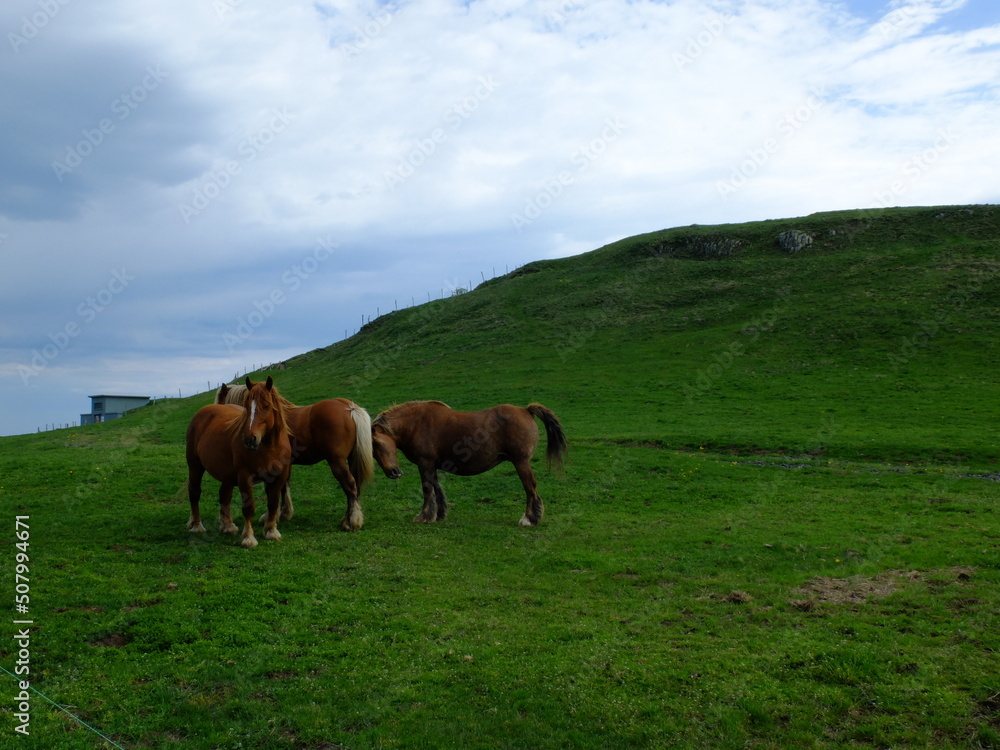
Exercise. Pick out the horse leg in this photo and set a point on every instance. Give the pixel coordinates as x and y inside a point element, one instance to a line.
<point>274,491</point>
<point>429,480</point>
<point>534,509</point>
<point>194,523</point>
<point>246,492</point>
<point>442,501</point>
<point>353,518</point>
<point>226,525</point>
<point>287,511</point>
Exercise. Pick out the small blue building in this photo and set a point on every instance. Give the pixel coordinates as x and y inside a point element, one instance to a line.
<point>105,408</point>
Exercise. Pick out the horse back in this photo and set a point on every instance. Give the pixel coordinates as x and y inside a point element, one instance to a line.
<point>471,442</point>
<point>321,430</point>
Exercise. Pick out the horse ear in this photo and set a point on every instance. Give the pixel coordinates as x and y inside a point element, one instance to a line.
<point>270,383</point>
<point>249,384</point>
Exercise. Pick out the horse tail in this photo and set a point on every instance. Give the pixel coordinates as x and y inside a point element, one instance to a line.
<point>556,438</point>
<point>361,460</point>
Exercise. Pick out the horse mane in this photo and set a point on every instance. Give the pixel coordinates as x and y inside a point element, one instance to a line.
<point>230,394</point>
<point>382,420</point>
<point>237,393</point>
<point>279,403</point>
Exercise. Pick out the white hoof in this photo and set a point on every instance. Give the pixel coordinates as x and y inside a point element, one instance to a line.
<point>249,542</point>
<point>232,528</point>
<point>199,529</point>
<point>274,535</point>
<point>525,521</point>
<point>353,522</point>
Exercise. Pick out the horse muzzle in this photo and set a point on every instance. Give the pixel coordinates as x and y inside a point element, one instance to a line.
<point>394,473</point>
<point>251,443</point>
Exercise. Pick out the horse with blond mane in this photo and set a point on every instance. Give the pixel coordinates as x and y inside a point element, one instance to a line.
<point>435,437</point>
<point>240,446</point>
<point>335,430</point>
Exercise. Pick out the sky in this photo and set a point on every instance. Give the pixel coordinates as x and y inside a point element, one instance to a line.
<point>190,188</point>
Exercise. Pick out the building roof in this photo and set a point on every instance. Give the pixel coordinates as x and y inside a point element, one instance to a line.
<point>108,395</point>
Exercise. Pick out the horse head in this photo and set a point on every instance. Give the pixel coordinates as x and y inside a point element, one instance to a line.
<point>384,448</point>
<point>263,413</point>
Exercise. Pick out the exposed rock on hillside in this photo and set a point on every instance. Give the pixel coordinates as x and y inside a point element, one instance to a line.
<point>794,240</point>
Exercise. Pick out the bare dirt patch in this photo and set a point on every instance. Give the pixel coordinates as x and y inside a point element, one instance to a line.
<point>859,589</point>
<point>856,589</point>
<point>115,640</point>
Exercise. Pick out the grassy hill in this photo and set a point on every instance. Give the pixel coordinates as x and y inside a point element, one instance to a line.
<point>777,526</point>
<point>875,341</point>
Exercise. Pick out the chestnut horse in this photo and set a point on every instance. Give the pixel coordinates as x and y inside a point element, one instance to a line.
<point>434,437</point>
<point>337,431</point>
<point>240,446</point>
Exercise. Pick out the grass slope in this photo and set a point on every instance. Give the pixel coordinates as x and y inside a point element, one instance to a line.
<point>777,527</point>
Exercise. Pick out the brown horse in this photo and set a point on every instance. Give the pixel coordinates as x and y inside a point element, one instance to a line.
<point>433,436</point>
<point>240,446</point>
<point>337,431</point>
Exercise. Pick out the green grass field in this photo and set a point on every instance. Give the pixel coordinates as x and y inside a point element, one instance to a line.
<point>776,527</point>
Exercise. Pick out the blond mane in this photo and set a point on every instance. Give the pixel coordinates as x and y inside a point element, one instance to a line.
<point>237,394</point>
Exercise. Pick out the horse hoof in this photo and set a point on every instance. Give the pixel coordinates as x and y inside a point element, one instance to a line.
<point>352,522</point>
<point>195,528</point>
<point>421,518</point>
<point>249,542</point>
<point>525,521</point>
<point>230,529</point>
<point>274,535</point>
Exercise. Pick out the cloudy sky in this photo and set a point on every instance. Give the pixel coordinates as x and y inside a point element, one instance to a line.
<point>191,187</point>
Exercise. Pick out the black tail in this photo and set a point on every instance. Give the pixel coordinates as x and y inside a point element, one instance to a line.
<point>557,445</point>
